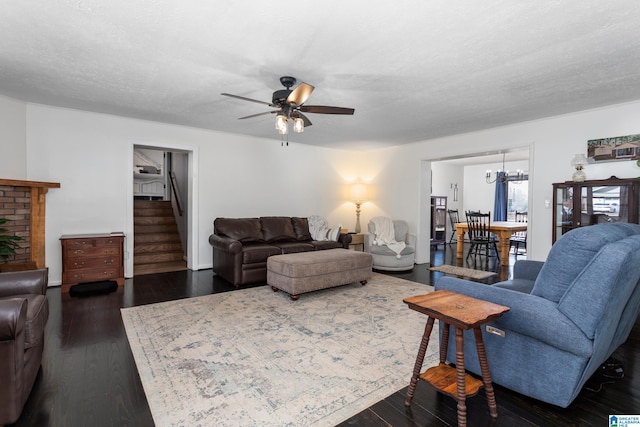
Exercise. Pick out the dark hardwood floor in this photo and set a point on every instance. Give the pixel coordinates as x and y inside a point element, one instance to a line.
<point>89,377</point>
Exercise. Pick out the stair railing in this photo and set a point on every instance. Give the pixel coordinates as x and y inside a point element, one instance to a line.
<point>174,188</point>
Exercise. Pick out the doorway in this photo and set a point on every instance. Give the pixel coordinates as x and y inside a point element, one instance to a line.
<point>162,175</point>
<point>462,178</point>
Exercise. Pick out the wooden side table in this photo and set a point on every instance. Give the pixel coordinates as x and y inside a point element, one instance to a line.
<point>464,313</point>
<point>357,239</point>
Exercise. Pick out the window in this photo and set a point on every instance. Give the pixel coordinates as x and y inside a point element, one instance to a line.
<point>517,197</point>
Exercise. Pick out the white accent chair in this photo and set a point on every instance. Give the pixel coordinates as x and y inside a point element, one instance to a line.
<point>383,257</point>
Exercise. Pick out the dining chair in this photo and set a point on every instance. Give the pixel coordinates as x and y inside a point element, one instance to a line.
<point>454,218</point>
<point>519,238</point>
<point>483,242</point>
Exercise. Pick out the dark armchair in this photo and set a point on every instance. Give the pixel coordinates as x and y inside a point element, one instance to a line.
<point>24,311</point>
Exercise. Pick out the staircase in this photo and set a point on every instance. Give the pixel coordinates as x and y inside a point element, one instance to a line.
<point>156,242</point>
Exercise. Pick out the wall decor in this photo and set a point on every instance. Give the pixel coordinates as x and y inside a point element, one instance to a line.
<point>614,149</point>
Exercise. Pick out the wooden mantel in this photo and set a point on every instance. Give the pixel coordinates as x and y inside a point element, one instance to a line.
<point>37,216</point>
<point>37,184</point>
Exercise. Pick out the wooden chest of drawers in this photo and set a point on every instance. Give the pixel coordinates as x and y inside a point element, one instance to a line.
<point>91,258</point>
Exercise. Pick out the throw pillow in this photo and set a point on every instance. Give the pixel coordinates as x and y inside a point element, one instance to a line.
<point>320,231</point>
<point>333,234</point>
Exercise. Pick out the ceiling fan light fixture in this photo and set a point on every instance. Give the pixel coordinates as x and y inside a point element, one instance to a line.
<point>281,123</point>
<point>289,104</point>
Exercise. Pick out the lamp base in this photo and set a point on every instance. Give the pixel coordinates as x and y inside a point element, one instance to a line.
<point>579,176</point>
<point>358,218</point>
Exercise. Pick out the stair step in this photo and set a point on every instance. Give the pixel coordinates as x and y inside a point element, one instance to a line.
<point>157,257</point>
<point>161,228</point>
<point>141,238</point>
<point>154,212</point>
<point>147,204</point>
<point>164,267</point>
<point>153,220</point>
<point>157,247</point>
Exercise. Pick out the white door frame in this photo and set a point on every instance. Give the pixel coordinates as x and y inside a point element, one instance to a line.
<point>192,202</point>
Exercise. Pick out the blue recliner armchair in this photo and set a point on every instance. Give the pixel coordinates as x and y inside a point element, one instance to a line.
<point>568,314</point>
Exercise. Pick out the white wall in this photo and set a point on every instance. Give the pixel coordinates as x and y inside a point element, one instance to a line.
<point>552,143</point>
<point>234,176</point>
<point>90,155</point>
<point>13,128</point>
<point>444,175</point>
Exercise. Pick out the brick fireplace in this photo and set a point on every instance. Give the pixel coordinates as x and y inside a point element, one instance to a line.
<point>23,204</point>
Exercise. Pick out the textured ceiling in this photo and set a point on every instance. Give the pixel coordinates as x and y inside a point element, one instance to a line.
<point>413,70</point>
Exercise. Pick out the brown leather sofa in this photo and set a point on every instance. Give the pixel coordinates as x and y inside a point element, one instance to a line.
<point>241,246</point>
<point>24,310</point>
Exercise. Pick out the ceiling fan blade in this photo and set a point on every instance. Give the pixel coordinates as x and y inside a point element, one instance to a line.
<point>247,99</point>
<point>304,118</point>
<point>322,109</point>
<point>259,114</point>
<point>300,95</point>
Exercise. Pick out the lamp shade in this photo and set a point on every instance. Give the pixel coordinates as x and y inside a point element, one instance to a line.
<point>281,123</point>
<point>359,192</point>
<point>579,160</point>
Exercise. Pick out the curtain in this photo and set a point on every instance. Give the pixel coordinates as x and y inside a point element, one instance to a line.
<point>623,207</point>
<point>500,200</point>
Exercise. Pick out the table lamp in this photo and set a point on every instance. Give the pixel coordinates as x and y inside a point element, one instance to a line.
<point>358,195</point>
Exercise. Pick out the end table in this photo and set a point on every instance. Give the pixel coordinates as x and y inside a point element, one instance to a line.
<point>464,313</point>
<point>357,239</point>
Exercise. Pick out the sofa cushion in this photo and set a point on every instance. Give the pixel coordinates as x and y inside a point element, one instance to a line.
<point>241,229</point>
<point>301,227</point>
<point>253,253</point>
<point>326,244</point>
<point>294,247</point>
<point>572,253</point>
<point>277,229</point>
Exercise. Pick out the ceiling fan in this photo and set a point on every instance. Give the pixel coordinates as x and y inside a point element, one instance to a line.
<point>288,104</point>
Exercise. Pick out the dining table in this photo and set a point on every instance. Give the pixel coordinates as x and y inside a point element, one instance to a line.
<point>503,229</point>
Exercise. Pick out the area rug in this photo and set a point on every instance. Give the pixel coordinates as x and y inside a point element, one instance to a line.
<point>254,357</point>
<point>463,272</point>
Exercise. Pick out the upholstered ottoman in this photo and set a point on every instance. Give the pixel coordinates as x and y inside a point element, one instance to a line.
<point>302,272</point>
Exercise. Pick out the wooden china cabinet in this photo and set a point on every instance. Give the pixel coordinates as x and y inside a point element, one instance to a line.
<point>578,204</point>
